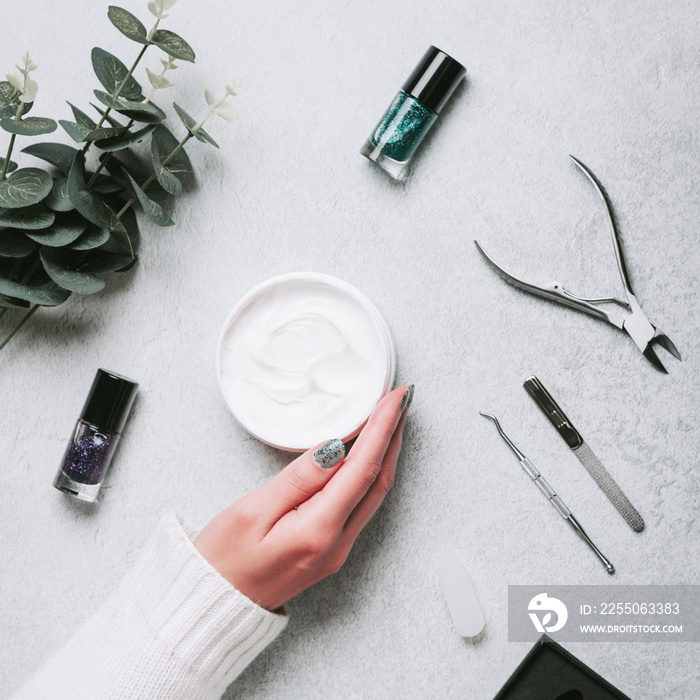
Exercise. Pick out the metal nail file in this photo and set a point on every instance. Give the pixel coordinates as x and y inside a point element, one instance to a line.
<point>549,492</point>
<point>584,453</point>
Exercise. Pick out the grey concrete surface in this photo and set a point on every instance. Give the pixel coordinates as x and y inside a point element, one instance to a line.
<point>615,83</point>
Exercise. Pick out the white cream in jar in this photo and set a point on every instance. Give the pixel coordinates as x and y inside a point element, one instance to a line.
<point>304,358</point>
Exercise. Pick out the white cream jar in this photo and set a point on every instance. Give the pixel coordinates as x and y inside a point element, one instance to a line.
<point>303,358</point>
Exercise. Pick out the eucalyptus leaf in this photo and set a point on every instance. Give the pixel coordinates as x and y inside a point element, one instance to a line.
<point>111,72</point>
<point>105,132</point>
<point>25,187</point>
<point>15,244</point>
<point>187,120</point>
<point>85,202</point>
<point>145,112</point>
<point>58,199</point>
<point>61,233</point>
<point>152,210</point>
<point>11,167</point>
<point>190,123</point>
<point>94,237</point>
<point>128,266</point>
<point>29,218</point>
<point>169,182</point>
<point>12,303</point>
<point>127,24</point>
<point>118,231</point>
<point>157,193</point>
<point>166,143</point>
<point>107,117</point>
<point>81,118</point>
<point>131,224</point>
<point>101,261</point>
<point>42,297</point>
<point>119,142</point>
<point>77,132</point>
<point>60,267</point>
<point>38,278</point>
<point>114,166</point>
<point>9,100</point>
<point>58,154</point>
<point>31,126</point>
<point>106,184</point>
<point>134,164</point>
<point>173,45</point>
<point>112,102</point>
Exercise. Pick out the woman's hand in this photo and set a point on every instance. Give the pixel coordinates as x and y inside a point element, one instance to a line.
<point>277,541</point>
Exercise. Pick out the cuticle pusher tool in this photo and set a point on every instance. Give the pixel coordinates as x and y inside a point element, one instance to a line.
<point>548,491</point>
<point>583,452</point>
<point>636,324</point>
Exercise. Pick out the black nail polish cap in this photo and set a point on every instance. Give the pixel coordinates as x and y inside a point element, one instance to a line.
<point>109,401</point>
<point>434,79</point>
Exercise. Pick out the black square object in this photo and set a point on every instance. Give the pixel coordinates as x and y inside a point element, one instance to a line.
<point>550,672</point>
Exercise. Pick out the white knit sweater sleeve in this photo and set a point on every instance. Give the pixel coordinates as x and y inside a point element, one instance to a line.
<point>174,628</point>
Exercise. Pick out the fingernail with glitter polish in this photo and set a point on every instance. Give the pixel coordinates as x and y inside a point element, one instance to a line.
<point>407,397</point>
<point>413,112</point>
<point>95,437</point>
<point>329,454</point>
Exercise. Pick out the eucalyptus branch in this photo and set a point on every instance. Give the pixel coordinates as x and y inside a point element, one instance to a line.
<point>70,212</point>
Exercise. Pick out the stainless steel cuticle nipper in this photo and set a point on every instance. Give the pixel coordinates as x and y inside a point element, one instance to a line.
<point>636,324</point>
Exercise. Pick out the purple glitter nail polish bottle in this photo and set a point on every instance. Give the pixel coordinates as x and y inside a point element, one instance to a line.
<point>96,435</point>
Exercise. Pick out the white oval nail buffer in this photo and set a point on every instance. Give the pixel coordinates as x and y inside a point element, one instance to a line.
<point>460,595</point>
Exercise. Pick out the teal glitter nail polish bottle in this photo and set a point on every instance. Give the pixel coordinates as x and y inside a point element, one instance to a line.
<point>413,111</point>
